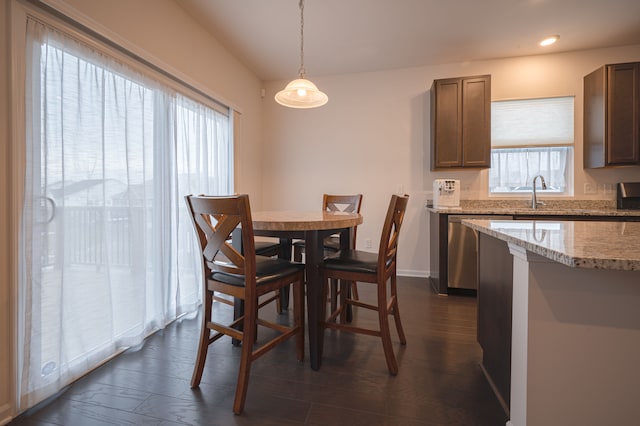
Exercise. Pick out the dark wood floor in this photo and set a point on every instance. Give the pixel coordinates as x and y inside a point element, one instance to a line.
<point>439,383</point>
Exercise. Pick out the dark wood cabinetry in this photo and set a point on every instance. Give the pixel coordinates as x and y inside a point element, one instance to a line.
<point>612,116</point>
<point>438,252</point>
<point>494,314</point>
<point>461,122</point>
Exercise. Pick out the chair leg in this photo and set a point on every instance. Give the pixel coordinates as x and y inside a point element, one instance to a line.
<point>354,291</point>
<point>203,346</point>
<point>279,302</point>
<point>333,295</point>
<point>282,304</point>
<point>383,318</point>
<point>323,306</point>
<point>345,292</point>
<point>298,317</point>
<point>396,311</point>
<point>246,356</point>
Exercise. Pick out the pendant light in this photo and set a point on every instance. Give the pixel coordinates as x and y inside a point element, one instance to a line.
<point>301,93</point>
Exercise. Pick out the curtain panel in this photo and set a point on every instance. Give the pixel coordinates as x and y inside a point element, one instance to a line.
<point>107,252</point>
<point>513,170</point>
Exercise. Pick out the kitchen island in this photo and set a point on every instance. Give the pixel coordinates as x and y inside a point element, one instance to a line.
<point>575,318</point>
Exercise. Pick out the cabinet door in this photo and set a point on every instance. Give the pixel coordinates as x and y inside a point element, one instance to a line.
<point>594,135</point>
<point>623,114</point>
<point>446,123</point>
<point>476,122</point>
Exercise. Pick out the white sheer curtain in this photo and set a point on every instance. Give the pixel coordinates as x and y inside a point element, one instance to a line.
<point>514,169</point>
<point>107,251</point>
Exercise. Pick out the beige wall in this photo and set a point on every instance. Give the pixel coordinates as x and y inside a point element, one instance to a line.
<point>170,38</point>
<point>373,137</point>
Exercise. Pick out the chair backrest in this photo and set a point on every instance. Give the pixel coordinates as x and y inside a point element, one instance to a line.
<point>343,203</point>
<point>214,220</point>
<point>390,231</point>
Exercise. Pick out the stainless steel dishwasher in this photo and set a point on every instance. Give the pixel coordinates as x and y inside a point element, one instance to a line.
<point>463,252</point>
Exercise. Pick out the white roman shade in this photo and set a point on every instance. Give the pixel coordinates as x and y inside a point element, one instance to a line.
<point>532,122</point>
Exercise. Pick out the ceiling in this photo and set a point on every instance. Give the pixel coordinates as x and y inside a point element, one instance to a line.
<point>347,36</point>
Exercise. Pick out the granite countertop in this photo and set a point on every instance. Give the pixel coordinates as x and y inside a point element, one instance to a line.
<point>578,244</point>
<point>550,208</point>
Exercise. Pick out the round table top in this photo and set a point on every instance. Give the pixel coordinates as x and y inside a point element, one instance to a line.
<point>303,220</point>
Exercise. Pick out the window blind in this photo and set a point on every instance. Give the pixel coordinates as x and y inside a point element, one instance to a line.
<point>532,122</point>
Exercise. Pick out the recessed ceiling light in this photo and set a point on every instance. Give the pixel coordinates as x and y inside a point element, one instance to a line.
<point>549,40</point>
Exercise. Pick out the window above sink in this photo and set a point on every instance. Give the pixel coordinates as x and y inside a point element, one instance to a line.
<point>531,137</point>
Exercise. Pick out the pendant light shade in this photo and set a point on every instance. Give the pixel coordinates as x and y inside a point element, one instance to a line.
<point>301,93</point>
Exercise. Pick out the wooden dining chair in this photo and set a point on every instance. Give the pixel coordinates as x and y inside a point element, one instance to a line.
<point>334,203</point>
<point>360,266</point>
<point>243,276</point>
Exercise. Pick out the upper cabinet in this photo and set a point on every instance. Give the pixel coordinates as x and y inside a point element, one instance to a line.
<point>612,116</point>
<point>461,122</point>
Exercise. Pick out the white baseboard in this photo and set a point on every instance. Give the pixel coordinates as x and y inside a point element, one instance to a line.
<point>5,414</point>
<point>412,273</point>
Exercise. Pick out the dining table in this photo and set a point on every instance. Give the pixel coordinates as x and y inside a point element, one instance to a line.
<point>312,227</point>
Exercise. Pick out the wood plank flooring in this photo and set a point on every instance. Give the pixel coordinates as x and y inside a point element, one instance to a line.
<point>439,383</point>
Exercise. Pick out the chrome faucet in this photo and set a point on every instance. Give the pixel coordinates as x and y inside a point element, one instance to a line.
<point>534,198</point>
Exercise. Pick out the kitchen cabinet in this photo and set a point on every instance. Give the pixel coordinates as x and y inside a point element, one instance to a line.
<point>612,116</point>
<point>461,122</point>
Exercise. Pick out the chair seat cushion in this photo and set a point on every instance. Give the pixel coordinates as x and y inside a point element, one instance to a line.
<point>267,270</point>
<point>353,261</point>
<point>263,247</point>
<point>330,244</point>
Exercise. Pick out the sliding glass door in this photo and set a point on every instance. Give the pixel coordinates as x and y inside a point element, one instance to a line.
<point>107,252</point>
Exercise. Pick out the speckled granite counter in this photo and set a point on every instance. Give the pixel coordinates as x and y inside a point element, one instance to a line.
<point>598,245</point>
<point>550,208</point>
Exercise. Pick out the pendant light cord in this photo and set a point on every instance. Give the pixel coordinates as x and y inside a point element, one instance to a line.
<point>302,71</point>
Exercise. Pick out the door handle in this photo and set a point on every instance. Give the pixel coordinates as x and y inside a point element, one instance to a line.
<point>45,202</point>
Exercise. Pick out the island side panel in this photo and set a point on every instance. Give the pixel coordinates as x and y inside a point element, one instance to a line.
<point>495,293</point>
<point>439,252</point>
<point>581,330</point>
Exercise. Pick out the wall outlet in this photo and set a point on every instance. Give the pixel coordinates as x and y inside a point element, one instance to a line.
<point>590,188</point>
<point>609,188</point>
<point>368,243</point>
